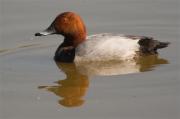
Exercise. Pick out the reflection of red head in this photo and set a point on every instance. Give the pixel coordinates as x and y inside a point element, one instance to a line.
<point>73,88</point>
<point>71,102</point>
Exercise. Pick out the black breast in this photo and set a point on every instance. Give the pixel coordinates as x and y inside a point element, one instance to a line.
<point>65,54</point>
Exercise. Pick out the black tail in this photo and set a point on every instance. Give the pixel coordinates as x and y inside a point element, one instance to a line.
<point>150,46</point>
<point>162,45</point>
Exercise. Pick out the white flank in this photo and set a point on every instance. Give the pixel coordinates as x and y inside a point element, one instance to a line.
<point>101,47</point>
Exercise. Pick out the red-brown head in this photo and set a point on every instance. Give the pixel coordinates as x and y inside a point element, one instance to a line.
<point>68,24</point>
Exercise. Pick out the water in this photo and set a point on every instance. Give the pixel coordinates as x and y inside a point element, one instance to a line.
<point>33,86</point>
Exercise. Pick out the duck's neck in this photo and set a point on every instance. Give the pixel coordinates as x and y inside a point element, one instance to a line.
<point>74,39</point>
<point>66,51</point>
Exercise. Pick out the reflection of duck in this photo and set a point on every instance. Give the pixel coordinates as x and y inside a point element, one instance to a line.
<point>97,47</point>
<point>71,89</point>
<point>141,64</point>
<point>74,86</point>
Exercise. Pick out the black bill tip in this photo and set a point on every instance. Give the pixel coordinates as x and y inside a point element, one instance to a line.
<point>38,34</point>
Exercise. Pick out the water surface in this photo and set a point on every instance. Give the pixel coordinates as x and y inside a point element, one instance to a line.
<point>33,86</point>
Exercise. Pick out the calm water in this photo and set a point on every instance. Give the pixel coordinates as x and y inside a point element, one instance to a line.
<point>33,86</point>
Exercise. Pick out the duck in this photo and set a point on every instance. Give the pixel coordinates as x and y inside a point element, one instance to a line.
<point>77,46</point>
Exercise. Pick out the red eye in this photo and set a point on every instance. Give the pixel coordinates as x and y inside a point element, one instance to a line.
<point>65,20</point>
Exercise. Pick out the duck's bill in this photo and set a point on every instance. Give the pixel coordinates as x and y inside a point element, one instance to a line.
<point>43,33</point>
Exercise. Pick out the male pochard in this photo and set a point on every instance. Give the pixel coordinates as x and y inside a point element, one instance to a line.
<point>100,47</point>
